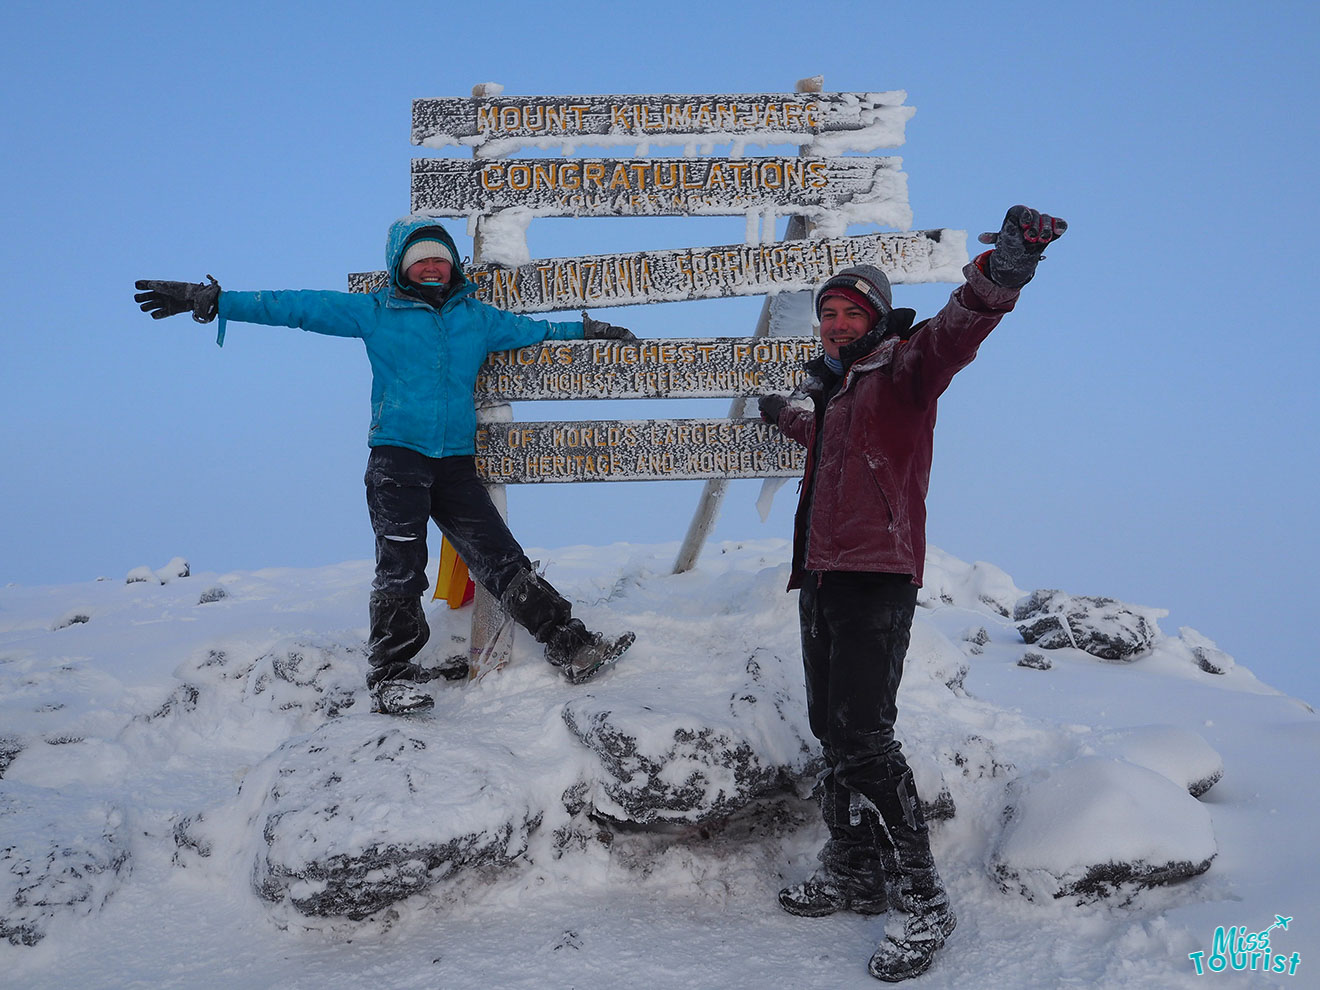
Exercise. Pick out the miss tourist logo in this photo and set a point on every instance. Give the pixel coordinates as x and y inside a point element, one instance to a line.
<point>1241,950</point>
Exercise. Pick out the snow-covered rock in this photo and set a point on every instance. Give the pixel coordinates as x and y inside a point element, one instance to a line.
<point>1207,655</point>
<point>667,764</point>
<point>1035,661</point>
<point>1179,754</point>
<point>60,855</point>
<point>1102,627</point>
<point>1099,827</point>
<point>979,586</point>
<point>368,811</point>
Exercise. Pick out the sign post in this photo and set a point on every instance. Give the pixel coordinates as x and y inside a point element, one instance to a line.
<point>822,190</point>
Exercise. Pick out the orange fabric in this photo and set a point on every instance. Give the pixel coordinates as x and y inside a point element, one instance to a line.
<point>452,583</point>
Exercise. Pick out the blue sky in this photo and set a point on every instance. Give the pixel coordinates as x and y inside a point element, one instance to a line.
<point>1144,426</point>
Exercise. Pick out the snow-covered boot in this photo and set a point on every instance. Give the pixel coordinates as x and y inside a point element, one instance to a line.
<point>398,633</point>
<point>537,606</point>
<point>851,876</point>
<point>914,935</point>
<point>400,698</point>
<point>826,892</point>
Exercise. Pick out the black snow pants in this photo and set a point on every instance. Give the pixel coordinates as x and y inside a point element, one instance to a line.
<point>855,632</point>
<point>404,490</point>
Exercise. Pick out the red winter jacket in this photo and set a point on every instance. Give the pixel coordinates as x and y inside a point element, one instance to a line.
<point>863,506</point>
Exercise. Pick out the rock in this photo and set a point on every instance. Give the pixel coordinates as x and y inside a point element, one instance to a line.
<point>61,856</point>
<point>75,618</point>
<point>10,746</point>
<point>176,568</point>
<point>1207,655</point>
<point>976,639</point>
<point>301,681</point>
<point>674,765</point>
<point>978,586</point>
<point>936,800</point>
<point>1035,661</point>
<point>214,594</point>
<point>1098,828</point>
<point>367,811</point>
<point>1102,627</point>
<point>1178,754</point>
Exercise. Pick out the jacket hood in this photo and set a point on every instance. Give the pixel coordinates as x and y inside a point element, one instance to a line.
<point>407,229</point>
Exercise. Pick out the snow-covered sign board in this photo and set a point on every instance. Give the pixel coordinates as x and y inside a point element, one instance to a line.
<point>856,190</point>
<point>672,368</point>
<point>548,284</point>
<point>495,126</point>
<point>635,450</point>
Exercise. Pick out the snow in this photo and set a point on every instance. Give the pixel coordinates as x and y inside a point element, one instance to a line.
<point>175,768</point>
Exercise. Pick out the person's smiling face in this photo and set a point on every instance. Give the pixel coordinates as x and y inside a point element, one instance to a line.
<point>841,322</point>
<point>429,271</point>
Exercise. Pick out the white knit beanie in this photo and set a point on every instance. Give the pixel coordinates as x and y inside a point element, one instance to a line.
<point>427,247</point>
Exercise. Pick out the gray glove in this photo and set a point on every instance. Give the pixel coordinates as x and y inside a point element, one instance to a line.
<point>1020,245</point>
<point>162,299</point>
<point>770,406</point>
<point>599,330</point>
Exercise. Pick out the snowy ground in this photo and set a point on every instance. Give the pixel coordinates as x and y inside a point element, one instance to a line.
<point>105,753</point>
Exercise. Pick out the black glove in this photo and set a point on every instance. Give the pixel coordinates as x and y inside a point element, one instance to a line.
<point>770,407</point>
<point>164,299</point>
<point>1020,245</point>
<point>598,330</point>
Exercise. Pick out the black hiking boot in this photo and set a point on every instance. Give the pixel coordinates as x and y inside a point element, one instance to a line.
<point>851,874</point>
<point>400,698</point>
<point>824,892</point>
<point>914,936</point>
<point>909,952</point>
<point>580,653</point>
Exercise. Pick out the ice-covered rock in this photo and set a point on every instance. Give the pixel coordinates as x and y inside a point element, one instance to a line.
<point>367,811</point>
<point>1102,627</point>
<point>1179,754</point>
<point>177,568</point>
<point>1099,827</point>
<point>1207,655</point>
<point>979,586</point>
<point>60,856</point>
<point>1035,661</point>
<point>694,764</point>
<point>10,746</point>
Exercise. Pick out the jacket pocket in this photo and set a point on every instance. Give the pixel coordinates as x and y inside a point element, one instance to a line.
<point>879,474</point>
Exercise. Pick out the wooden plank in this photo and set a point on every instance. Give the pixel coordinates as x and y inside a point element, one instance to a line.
<point>549,284</point>
<point>674,368</point>
<point>634,450</point>
<point>861,188</point>
<point>545,121</point>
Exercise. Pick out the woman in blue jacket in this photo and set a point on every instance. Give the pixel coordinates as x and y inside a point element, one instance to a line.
<point>426,337</point>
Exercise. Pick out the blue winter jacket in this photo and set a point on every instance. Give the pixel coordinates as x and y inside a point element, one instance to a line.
<point>424,362</point>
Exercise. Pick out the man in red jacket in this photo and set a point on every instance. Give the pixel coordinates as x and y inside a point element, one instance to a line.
<point>866,414</point>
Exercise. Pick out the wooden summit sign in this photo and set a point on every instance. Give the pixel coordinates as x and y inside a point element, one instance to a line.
<point>635,450</point>
<point>546,120</point>
<point>664,367</point>
<point>548,284</point>
<point>872,189</point>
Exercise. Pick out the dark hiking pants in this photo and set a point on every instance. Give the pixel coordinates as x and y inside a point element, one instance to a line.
<point>855,632</point>
<point>404,490</point>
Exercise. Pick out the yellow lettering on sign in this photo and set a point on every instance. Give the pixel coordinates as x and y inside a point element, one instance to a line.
<point>487,119</point>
